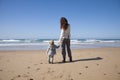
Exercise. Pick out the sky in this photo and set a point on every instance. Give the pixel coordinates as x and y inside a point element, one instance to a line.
<point>41,18</point>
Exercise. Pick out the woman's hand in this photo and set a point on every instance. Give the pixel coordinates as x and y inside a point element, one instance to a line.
<point>59,43</point>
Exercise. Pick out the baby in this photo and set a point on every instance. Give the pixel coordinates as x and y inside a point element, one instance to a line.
<point>51,51</point>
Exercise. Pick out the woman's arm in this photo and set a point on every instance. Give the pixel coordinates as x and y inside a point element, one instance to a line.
<point>61,36</point>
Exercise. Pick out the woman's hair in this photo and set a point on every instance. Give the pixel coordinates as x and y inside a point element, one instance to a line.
<point>63,23</point>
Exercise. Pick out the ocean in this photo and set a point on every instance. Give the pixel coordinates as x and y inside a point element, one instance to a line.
<point>42,44</point>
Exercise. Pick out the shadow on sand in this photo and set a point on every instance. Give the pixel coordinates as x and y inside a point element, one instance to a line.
<point>87,59</point>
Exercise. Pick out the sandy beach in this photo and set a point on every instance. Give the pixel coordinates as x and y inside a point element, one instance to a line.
<point>88,64</point>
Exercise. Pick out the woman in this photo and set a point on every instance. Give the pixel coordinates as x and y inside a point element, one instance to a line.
<point>65,38</point>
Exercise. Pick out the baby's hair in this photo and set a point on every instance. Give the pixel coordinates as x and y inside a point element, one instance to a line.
<point>51,42</point>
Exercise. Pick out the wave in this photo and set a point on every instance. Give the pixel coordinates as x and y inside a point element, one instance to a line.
<point>73,41</point>
<point>36,44</point>
<point>10,40</point>
<point>94,41</point>
<point>22,44</point>
<point>14,40</point>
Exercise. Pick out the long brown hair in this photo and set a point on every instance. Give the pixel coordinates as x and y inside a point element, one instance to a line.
<point>63,23</point>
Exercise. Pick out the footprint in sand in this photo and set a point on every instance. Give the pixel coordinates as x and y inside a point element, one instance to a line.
<point>41,63</point>
<point>31,79</point>
<point>69,78</point>
<point>28,67</point>
<point>22,76</point>
<point>38,69</point>
<point>1,70</point>
<point>104,74</point>
<point>19,76</point>
<point>80,73</point>
<point>50,71</point>
<point>86,66</point>
<point>27,76</point>
<point>8,60</point>
<point>53,71</point>
<point>61,76</point>
<point>97,64</point>
<point>119,73</point>
<point>36,64</point>
<point>28,72</point>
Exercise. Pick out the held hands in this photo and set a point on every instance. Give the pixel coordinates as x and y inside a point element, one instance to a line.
<point>59,43</point>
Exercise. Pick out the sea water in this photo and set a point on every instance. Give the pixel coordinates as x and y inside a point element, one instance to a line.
<point>42,44</point>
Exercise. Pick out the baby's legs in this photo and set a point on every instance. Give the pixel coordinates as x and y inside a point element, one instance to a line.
<point>52,59</point>
<point>49,59</point>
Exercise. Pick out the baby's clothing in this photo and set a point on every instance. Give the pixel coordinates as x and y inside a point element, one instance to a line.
<point>51,51</point>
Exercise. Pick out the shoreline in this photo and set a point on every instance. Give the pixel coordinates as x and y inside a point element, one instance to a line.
<point>39,44</point>
<point>88,64</point>
<point>59,49</point>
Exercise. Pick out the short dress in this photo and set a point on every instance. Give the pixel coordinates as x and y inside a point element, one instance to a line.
<point>52,50</point>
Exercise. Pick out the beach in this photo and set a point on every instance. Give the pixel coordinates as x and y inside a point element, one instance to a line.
<point>88,64</point>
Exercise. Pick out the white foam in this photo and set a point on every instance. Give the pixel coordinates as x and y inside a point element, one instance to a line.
<point>10,40</point>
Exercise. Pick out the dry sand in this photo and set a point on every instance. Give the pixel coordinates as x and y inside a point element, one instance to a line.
<point>88,64</point>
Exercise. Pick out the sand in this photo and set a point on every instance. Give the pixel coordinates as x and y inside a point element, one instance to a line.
<point>88,64</point>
